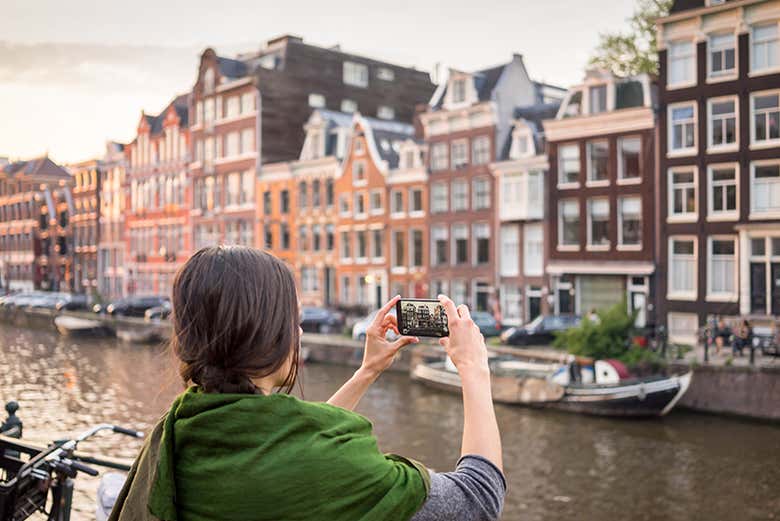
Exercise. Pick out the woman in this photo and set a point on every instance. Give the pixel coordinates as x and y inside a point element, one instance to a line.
<point>743,339</point>
<point>232,449</point>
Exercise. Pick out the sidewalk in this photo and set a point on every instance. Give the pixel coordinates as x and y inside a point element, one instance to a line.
<point>696,356</point>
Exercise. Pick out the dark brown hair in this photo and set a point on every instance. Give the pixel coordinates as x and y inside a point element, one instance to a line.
<point>235,317</point>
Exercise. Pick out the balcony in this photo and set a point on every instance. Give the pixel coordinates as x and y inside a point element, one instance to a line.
<point>522,197</point>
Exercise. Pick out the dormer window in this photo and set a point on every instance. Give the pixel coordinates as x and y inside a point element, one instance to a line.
<point>459,91</point>
<point>409,158</point>
<point>574,106</point>
<point>208,80</point>
<point>315,144</point>
<point>598,99</point>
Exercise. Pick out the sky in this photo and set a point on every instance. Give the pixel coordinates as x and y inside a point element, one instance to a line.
<point>75,74</point>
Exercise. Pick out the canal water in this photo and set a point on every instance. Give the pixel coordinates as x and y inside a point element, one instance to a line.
<point>559,466</point>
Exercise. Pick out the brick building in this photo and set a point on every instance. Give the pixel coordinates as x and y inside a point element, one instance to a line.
<point>157,228</point>
<point>85,224</point>
<point>601,196</point>
<point>468,122</point>
<point>112,283</point>
<point>719,174</point>
<point>34,230</point>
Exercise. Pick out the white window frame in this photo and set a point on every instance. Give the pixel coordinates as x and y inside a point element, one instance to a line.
<point>723,215</point>
<point>688,151</point>
<point>722,296</point>
<point>348,106</point>
<point>760,215</point>
<point>767,70</point>
<point>439,232</point>
<point>629,247</point>
<point>691,56</point>
<point>440,161</point>
<point>683,295</point>
<point>480,145</point>
<point>395,213</point>
<point>621,180</point>
<point>713,77</point>
<point>316,100</point>
<point>727,147</point>
<point>355,210</point>
<point>574,184</point>
<point>589,244</point>
<point>355,74</point>
<point>455,237</point>
<point>589,181</point>
<point>464,182</point>
<point>410,200</point>
<point>385,112</point>
<point>459,143</point>
<point>475,237</point>
<point>445,189</point>
<point>381,209</point>
<point>509,259</point>
<point>385,73</point>
<point>568,247</point>
<point>672,217</point>
<point>344,211</point>
<point>766,143</point>
<point>355,180</point>
<point>475,194</point>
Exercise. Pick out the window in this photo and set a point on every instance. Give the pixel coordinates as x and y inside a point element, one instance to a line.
<point>682,64</point>
<point>630,221</point>
<point>316,237</point>
<point>377,238</point>
<point>383,73</point>
<point>416,254</point>
<point>302,195</point>
<point>460,153</point>
<point>385,112</point>
<point>399,251</point>
<point>682,127</point>
<point>358,172</point>
<point>482,243</point>
<point>285,232</point>
<point>766,118</point>
<point>344,204</point>
<point>349,106</point>
<point>722,268</point>
<point>598,223</point>
<point>233,189</point>
<point>459,91</point>
<point>409,158</point>
<point>397,199</point>
<point>460,238</point>
<point>316,100</point>
<point>533,250</point>
<point>481,193</point>
<point>439,197</point>
<point>598,99</point>
<point>267,203</point>
<point>355,74</point>
<point>302,239</point>
<point>765,47</point>
<point>510,251</point>
<point>569,223</point>
<point>682,193</point>
<point>439,157</point>
<point>722,122</point>
<point>315,193</point>
<point>346,292</point>
<point>598,161</point>
<point>346,247</point>
<point>682,268</point>
<point>360,205</point>
<point>629,157</point>
<point>376,202</point>
<point>233,107</point>
<point>722,201</point>
<point>765,188</point>
<point>415,200</point>
<point>329,193</point>
<point>722,55</point>
<point>480,150</point>
<point>329,237</point>
<point>568,165</point>
<point>439,243</point>
<point>247,102</point>
<point>460,195</point>
<point>362,244</point>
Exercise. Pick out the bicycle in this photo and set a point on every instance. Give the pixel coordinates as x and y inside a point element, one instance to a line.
<point>30,472</point>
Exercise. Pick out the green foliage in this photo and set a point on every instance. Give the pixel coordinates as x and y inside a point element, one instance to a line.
<point>608,337</point>
<point>635,51</point>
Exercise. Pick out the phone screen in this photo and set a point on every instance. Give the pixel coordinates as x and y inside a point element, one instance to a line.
<point>421,317</point>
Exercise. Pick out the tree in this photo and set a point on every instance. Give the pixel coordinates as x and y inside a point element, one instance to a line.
<point>635,51</point>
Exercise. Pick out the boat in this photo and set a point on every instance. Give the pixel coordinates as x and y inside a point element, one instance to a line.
<point>605,390</point>
<point>73,326</point>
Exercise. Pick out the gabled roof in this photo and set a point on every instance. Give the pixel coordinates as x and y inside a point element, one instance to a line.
<point>232,68</point>
<point>41,167</point>
<point>180,104</point>
<point>485,81</point>
<point>384,137</point>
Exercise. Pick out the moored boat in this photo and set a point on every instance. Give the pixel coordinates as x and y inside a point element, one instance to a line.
<point>68,325</point>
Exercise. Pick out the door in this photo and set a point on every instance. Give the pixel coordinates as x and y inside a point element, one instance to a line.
<point>328,276</point>
<point>639,304</point>
<point>776,288</point>
<point>565,303</point>
<point>758,288</point>
<point>534,307</point>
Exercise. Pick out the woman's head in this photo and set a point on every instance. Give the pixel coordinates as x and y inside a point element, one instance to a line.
<point>235,320</point>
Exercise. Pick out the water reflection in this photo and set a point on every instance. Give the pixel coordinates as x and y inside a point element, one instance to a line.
<point>559,466</point>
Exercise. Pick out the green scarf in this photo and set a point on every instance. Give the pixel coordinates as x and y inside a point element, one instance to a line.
<point>251,457</point>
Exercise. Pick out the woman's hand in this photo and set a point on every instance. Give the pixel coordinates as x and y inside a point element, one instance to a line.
<point>379,353</point>
<point>465,345</point>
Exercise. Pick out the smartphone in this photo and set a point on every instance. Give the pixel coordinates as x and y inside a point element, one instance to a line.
<point>421,317</point>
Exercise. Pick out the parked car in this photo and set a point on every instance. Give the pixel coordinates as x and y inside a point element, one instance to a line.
<point>158,312</point>
<point>321,320</point>
<point>360,327</point>
<point>540,330</point>
<point>20,300</point>
<point>488,325</point>
<point>72,302</point>
<point>132,306</point>
<point>47,300</point>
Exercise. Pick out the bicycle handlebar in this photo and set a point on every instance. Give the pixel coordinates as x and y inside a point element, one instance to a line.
<point>128,432</point>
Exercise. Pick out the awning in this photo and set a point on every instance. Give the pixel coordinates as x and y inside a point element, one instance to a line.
<point>600,268</point>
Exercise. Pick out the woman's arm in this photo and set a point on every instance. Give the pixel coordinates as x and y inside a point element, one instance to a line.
<point>466,347</point>
<point>378,355</point>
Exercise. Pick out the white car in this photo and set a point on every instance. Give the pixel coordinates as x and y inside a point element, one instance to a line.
<point>360,327</point>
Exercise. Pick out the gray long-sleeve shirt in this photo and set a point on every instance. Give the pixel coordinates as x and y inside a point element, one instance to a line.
<point>473,492</point>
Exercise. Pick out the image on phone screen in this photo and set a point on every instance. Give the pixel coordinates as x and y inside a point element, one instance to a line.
<point>421,317</point>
